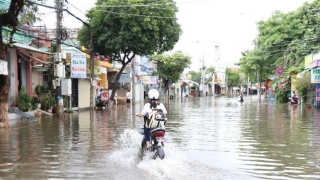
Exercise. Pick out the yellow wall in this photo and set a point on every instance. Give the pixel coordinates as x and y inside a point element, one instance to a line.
<point>103,81</point>
<point>293,81</point>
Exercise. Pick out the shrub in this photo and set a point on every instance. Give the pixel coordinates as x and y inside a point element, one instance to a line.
<point>304,86</point>
<point>24,100</point>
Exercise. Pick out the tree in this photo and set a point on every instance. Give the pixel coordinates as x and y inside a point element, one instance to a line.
<point>123,29</point>
<point>195,76</point>
<point>10,18</point>
<point>211,71</point>
<point>233,78</point>
<point>170,67</point>
<point>282,43</point>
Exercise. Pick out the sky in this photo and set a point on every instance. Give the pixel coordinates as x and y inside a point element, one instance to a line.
<point>228,24</point>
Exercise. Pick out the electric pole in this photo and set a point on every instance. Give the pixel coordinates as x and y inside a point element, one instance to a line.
<point>91,72</point>
<point>59,4</point>
<point>133,75</point>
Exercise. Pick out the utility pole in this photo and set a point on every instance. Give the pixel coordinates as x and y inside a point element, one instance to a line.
<point>59,4</point>
<point>133,75</point>
<point>91,72</point>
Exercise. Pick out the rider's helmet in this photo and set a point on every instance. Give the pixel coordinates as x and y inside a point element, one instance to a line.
<point>153,96</point>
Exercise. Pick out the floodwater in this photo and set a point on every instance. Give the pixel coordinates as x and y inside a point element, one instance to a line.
<point>207,138</point>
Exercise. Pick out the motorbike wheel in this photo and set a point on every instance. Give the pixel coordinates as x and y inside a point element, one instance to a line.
<point>160,152</point>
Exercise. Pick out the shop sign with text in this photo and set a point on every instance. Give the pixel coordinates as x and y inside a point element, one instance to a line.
<point>78,66</point>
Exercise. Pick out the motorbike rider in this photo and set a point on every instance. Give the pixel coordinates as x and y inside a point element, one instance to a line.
<point>241,97</point>
<point>153,103</point>
<point>294,97</point>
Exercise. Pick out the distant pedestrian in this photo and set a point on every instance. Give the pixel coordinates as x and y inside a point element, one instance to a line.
<point>128,95</point>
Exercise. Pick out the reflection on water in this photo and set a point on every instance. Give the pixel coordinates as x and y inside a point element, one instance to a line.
<point>207,138</point>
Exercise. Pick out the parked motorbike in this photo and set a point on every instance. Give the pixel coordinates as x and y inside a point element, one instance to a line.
<point>156,141</point>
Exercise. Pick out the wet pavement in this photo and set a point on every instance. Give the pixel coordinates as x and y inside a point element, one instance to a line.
<point>207,138</point>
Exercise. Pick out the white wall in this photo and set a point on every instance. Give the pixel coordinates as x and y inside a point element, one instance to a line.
<point>84,93</point>
<point>11,58</point>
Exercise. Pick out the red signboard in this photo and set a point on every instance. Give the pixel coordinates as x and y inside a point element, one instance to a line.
<point>104,96</point>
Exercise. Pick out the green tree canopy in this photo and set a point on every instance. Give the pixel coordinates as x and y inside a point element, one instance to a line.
<point>233,78</point>
<point>170,67</point>
<point>195,76</point>
<point>282,43</point>
<point>123,29</point>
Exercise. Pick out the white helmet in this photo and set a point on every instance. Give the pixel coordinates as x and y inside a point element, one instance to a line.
<point>153,94</point>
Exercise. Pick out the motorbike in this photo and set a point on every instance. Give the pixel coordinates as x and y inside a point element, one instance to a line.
<point>294,100</point>
<point>240,99</point>
<point>101,104</point>
<point>157,139</point>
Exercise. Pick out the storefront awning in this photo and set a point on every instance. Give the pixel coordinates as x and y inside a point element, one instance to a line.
<point>105,64</point>
<point>300,75</point>
<point>29,48</point>
<point>24,56</point>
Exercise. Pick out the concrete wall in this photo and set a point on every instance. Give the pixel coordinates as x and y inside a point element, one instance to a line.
<point>84,93</point>
<point>13,71</point>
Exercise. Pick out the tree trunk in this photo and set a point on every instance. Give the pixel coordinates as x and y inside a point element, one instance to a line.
<point>4,89</point>
<point>7,19</point>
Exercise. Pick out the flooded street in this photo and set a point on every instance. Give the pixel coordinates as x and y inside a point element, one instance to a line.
<point>207,138</point>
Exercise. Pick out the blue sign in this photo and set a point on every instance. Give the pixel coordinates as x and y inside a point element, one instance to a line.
<point>317,100</point>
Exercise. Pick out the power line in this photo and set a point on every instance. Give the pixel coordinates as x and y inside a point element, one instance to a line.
<point>75,7</point>
<point>85,23</point>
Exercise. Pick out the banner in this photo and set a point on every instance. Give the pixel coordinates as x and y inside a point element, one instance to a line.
<point>315,75</point>
<point>78,66</point>
<point>149,79</point>
<point>96,67</point>
<point>307,60</point>
<point>3,67</point>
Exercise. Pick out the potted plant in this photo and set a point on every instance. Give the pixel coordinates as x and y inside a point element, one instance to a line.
<point>38,90</point>
<point>52,103</point>
<point>44,100</point>
<point>24,100</point>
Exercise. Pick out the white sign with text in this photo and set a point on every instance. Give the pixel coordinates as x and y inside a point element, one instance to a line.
<point>78,66</point>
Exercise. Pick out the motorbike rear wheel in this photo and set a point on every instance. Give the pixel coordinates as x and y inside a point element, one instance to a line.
<point>160,153</point>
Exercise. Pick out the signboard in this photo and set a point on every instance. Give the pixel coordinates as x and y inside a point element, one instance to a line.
<point>3,67</point>
<point>317,102</point>
<point>104,95</point>
<point>315,75</point>
<point>149,79</point>
<point>78,66</point>
<point>139,80</point>
<point>307,60</point>
<point>96,67</point>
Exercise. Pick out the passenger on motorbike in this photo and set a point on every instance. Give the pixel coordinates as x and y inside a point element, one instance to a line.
<point>153,103</point>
